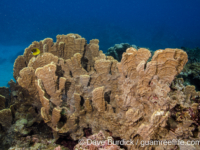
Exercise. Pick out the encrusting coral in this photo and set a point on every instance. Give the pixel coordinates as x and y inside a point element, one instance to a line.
<point>74,86</point>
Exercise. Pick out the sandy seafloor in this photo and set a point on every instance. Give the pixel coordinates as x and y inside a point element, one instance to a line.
<point>7,59</point>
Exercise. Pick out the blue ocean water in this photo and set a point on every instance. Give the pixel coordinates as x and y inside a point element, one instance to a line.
<point>153,24</point>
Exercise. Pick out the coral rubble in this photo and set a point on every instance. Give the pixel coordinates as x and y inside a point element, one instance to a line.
<point>72,86</point>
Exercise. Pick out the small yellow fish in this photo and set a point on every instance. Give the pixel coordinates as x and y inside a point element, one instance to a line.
<point>35,51</point>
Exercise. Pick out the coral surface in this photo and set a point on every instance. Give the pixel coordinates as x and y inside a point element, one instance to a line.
<point>190,74</point>
<point>117,50</point>
<point>193,54</point>
<point>97,141</point>
<point>72,86</point>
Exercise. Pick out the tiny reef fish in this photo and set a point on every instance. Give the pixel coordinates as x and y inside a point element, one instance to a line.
<point>35,51</point>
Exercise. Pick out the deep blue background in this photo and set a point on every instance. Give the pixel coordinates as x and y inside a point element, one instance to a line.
<point>153,24</point>
<point>149,23</point>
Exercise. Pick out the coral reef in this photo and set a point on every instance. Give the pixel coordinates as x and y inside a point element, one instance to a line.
<point>20,118</point>
<point>118,49</point>
<point>191,71</point>
<point>193,54</point>
<point>72,86</point>
<point>190,74</point>
<point>97,141</point>
<point>35,142</point>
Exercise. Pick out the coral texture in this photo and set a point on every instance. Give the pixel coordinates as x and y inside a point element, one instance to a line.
<point>117,50</point>
<point>97,141</point>
<point>190,74</point>
<point>75,86</point>
<point>193,54</point>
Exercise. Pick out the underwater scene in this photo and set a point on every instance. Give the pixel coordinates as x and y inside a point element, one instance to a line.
<point>99,75</point>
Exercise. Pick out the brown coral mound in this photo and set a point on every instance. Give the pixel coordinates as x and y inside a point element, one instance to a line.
<point>79,87</point>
